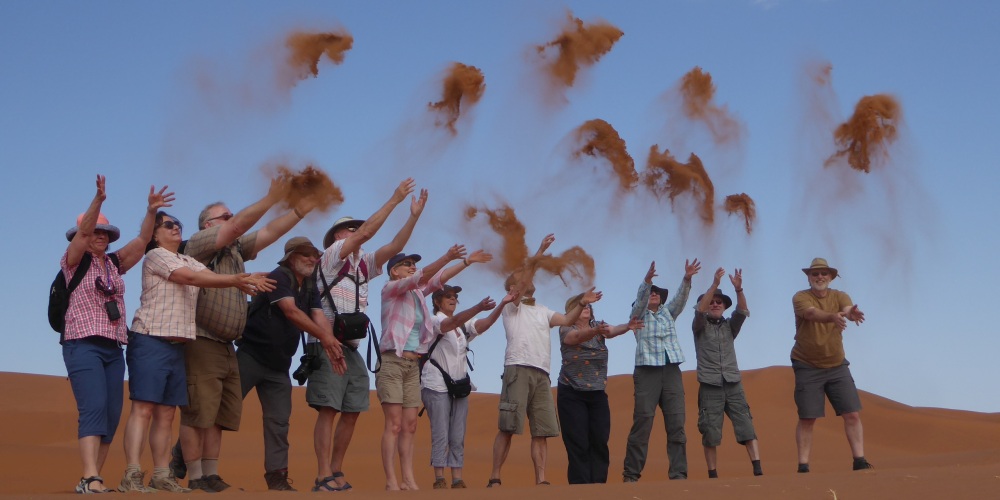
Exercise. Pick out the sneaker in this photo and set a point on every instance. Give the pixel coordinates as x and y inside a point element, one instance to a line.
<point>177,466</point>
<point>861,464</point>
<point>803,468</point>
<point>216,483</point>
<point>630,479</point>
<point>200,484</point>
<point>277,480</point>
<point>458,483</point>
<point>440,484</point>
<point>167,483</point>
<point>133,481</point>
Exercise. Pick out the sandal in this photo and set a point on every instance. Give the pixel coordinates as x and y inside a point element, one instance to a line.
<point>346,485</point>
<point>493,481</point>
<point>84,486</point>
<point>324,484</point>
<point>543,482</point>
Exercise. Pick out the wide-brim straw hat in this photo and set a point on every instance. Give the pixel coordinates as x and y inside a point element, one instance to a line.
<point>820,263</point>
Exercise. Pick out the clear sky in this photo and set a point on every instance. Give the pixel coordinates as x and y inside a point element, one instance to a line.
<point>176,93</point>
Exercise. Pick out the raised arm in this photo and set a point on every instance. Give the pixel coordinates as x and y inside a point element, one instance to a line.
<point>477,257</point>
<point>245,219</point>
<point>642,296</point>
<point>484,324</point>
<point>453,253</point>
<point>247,283</point>
<point>133,251</point>
<point>676,305</point>
<point>589,297</point>
<point>367,230</point>
<point>384,253</point>
<point>85,230</point>
<point>459,319</point>
<point>281,225</point>
<point>741,300</point>
<point>525,277</point>
<point>706,299</point>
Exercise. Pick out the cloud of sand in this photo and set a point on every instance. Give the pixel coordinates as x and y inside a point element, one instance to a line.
<point>742,204</point>
<point>579,45</point>
<point>697,94</point>
<point>306,49</point>
<point>868,133</point>
<point>463,84</point>
<point>309,183</point>
<point>599,139</point>
<point>665,175</point>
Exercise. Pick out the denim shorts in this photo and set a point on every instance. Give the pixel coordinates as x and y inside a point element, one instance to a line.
<point>156,370</point>
<point>96,372</point>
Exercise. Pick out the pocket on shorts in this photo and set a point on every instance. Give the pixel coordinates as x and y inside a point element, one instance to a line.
<point>702,420</point>
<point>508,416</point>
<point>194,404</point>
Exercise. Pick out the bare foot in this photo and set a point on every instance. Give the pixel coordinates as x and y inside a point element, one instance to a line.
<point>410,485</point>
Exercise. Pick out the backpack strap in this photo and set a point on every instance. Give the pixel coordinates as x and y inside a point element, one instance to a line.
<point>466,333</point>
<point>81,270</point>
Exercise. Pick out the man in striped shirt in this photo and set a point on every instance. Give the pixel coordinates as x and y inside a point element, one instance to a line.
<point>657,375</point>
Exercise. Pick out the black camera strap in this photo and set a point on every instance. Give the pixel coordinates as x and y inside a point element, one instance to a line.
<point>358,280</point>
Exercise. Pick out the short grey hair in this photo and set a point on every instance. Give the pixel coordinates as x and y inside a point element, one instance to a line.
<point>203,216</point>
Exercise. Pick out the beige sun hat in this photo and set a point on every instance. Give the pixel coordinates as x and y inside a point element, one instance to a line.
<point>820,263</point>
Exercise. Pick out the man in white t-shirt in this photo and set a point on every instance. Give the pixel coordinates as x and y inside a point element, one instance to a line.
<point>527,389</point>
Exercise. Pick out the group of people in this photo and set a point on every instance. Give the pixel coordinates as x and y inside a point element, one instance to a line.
<point>196,343</point>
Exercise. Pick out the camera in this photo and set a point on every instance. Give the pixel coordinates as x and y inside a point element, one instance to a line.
<point>111,307</point>
<point>308,363</point>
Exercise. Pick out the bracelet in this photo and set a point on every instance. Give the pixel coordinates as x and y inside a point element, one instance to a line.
<point>297,214</point>
<point>739,290</point>
<point>466,262</point>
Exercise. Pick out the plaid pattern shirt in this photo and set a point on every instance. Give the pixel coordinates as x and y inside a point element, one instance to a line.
<point>222,312</point>
<point>400,299</point>
<point>86,316</point>
<point>166,309</point>
<point>656,343</point>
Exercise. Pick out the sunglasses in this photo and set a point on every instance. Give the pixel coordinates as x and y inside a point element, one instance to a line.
<point>170,224</point>
<point>106,289</point>
<point>225,216</point>
<point>311,255</point>
<point>717,301</point>
<point>407,263</point>
<point>815,274</point>
<point>450,296</point>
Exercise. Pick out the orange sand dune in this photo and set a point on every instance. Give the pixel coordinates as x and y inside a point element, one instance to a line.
<point>918,452</point>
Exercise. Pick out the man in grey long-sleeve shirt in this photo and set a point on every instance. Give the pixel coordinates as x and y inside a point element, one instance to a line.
<point>720,389</point>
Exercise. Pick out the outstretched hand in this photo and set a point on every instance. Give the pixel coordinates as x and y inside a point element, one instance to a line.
<point>651,273</point>
<point>159,199</point>
<point>417,204</point>
<point>691,268</point>
<point>546,243</point>
<point>719,273</point>
<point>856,315</point>
<point>479,257</point>
<point>486,304</point>
<point>590,296</point>
<point>403,190</point>
<point>635,324</point>
<point>101,193</point>
<point>456,252</point>
<point>737,279</point>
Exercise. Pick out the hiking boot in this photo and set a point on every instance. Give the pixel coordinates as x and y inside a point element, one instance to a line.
<point>440,484</point>
<point>861,464</point>
<point>277,480</point>
<point>200,484</point>
<point>215,482</point>
<point>458,483</point>
<point>133,482</point>
<point>177,466</point>
<point>167,483</point>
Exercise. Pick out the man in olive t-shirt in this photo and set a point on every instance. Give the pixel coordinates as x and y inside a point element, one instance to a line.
<point>821,370</point>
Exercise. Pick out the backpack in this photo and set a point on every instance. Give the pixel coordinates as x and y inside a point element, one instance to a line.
<point>60,291</point>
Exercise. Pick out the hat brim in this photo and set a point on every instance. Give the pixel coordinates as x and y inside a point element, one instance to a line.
<point>113,232</point>
<point>328,238</point>
<point>288,254</point>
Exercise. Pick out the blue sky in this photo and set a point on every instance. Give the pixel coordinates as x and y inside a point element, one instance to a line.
<point>113,88</point>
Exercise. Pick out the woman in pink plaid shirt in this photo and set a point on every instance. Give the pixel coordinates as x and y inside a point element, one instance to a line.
<point>407,330</point>
<point>95,326</point>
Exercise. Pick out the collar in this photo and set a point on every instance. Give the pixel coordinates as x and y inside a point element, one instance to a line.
<point>714,321</point>
<point>528,301</point>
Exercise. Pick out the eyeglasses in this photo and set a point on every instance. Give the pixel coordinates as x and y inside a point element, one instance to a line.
<point>815,274</point>
<point>225,216</point>
<point>717,301</point>
<point>407,263</point>
<point>106,289</point>
<point>171,224</point>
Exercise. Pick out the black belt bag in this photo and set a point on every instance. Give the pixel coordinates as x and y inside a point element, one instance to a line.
<point>350,326</point>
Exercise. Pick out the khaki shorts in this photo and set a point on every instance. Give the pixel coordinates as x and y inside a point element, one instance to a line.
<point>398,381</point>
<point>729,399</point>
<point>213,385</point>
<point>814,385</point>
<point>527,392</point>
